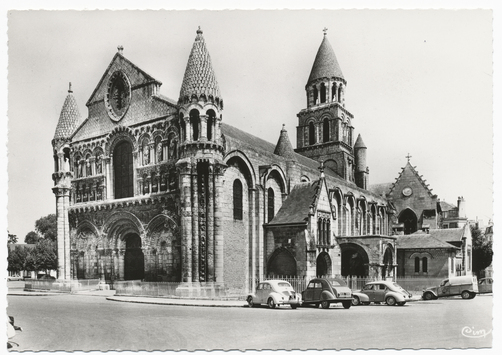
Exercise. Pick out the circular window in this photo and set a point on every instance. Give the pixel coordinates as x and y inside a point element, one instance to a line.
<point>118,95</point>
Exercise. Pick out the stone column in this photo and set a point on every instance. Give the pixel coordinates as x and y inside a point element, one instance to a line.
<point>203,127</point>
<point>186,223</point>
<point>108,178</point>
<point>188,128</point>
<point>115,257</point>
<point>195,225</point>
<point>121,254</point>
<point>210,224</point>
<point>218,224</point>
<point>252,222</point>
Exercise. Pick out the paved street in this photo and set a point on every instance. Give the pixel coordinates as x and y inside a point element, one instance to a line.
<point>84,322</point>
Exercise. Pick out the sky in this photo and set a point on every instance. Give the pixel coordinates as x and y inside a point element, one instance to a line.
<point>419,82</point>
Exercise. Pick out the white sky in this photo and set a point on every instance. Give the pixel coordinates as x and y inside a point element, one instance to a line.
<point>419,82</point>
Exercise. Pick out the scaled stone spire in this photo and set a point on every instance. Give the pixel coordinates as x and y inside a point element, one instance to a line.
<point>359,142</point>
<point>69,119</point>
<point>199,76</point>
<point>325,63</point>
<point>284,147</point>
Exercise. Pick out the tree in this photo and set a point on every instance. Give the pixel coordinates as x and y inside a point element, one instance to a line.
<point>46,226</point>
<point>12,239</point>
<point>482,250</point>
<point>17,259</point>
<point>31,238</point>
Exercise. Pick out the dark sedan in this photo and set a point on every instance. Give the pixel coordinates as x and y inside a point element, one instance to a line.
<point>324,292</point>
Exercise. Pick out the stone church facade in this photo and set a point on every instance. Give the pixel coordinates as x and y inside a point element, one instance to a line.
<point>149,188</point>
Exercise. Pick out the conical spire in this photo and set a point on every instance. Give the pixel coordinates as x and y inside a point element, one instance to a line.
<point>359,142</point>
<point>69,119</point>
<point>199,76</point>
<point>284,147</point>
<point>325,63</point>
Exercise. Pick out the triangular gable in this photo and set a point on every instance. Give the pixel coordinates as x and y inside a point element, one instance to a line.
<point>135,75</point>
<point>409,175</point>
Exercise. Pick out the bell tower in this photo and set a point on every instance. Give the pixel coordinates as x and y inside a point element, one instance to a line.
<point>69,120</point>
<point>201,169</point>
<point>325,130</point>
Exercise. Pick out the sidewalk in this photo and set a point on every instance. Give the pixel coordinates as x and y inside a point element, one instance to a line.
<point>179,301</point>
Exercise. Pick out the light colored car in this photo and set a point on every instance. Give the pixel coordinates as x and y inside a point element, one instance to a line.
<point>14,278</point>
<point>324,292</point>
<point>381,291</point>
<point>485,285</point>
<point>465,286</point>
<point>274,293</point>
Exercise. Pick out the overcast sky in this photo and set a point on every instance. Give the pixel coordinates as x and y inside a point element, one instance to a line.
<point>418,82</point>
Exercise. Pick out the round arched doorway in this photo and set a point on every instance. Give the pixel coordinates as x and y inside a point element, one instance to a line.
<point>282,263</point>
<point>354,260</point>
<point>134,260</point>
<point>387,263</point>
<point>323,265</point>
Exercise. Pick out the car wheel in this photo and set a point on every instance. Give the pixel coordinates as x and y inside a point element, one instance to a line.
<point>294,306</point>
<point>356,301</point>
<point>250,301</point>
<point>391,301</point>
<point>325,304</point>
<point>428,296</point>
<point>347,304</point>
<point>401,303</point>
<point>472,295</point>
<point>271,302</point>
<point>466,295</point>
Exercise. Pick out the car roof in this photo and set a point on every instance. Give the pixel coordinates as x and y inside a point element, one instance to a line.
<point>380,282</point>
<point>275,282</point>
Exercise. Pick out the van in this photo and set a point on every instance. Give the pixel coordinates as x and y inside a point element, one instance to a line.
<point>465,286</point>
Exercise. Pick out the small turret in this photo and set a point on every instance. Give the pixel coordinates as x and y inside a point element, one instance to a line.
<point>360,160</point>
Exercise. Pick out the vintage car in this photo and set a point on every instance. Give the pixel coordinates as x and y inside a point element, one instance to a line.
<point>381,291</point>
<point>485,285</point>
<point>465,286</point>
<point>324,292</point>
<point>274,293</point>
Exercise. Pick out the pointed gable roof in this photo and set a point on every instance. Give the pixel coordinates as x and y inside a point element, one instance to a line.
<point>412,170</point>
<point>359,142</point>
<point>199,78</point>
<point>70,117</point>
<point>299,203</point>
<point>284,147</point>
<point>325,63</point>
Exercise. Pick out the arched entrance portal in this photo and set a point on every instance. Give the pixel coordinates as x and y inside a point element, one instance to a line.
<point>323,264</point>
<point>409,219</point>
<point>134,260</point>
<point>282,263</point>
<point>354,260</point>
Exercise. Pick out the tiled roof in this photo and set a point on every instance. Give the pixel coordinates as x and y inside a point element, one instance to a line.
<point>421,241</point>
<point>325,63</point>
<point>284,147</point>
<point>69,119</point>
<point>296,207</point>
<point>199,75</point>
<point>449,235</point>
<point>445,206</point>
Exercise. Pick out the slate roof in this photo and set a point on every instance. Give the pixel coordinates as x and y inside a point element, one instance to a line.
<point>199,76</point>
<point>445,206</point>
<point>450,235</point>
<point>380,189</point>
<point>325,63</point>
<point>359,142</point>
<point>284,147</point>
<point>295,209</point>
<point>69,119</point>
<point>421,241</point>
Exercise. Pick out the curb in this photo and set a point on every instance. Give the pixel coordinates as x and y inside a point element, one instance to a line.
<point>166,302</point>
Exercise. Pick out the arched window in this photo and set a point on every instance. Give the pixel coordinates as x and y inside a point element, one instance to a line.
<point>311,133</point>
<point>270,204</point>
<point>325,130</point>
<point>333,92</point>
<point>417,264</point>
<point>183,129</point>
<point>316,94</point>
<point>323,93</point>
<point>159,150</point>
<point>340,94</point>
<point>194,122</point>
<point>424,264</point>
<point>210,124</point>
<point>237,197</point>
<point>123,170</point>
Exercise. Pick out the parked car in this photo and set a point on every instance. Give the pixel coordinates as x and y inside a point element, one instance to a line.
<point>465,286</point>
<point>381,291</point>
<point>274,293</point>
<point>324,292</point>
<point>15,278</point>
<point>485,285</point>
